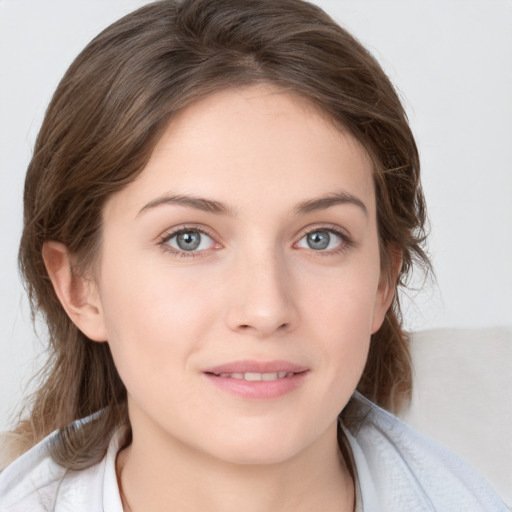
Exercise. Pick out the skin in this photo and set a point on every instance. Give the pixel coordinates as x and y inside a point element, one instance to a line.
<point>255,289</point>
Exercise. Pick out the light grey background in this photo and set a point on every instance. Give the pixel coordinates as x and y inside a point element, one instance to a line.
<point>451,61</point>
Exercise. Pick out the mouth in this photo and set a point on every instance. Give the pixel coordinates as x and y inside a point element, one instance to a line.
<point>255,376</point>
<point>256,379</point>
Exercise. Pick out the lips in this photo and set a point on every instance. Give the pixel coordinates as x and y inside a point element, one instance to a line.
<point>249,366</point>
<point>256,376</point>
<point>257,379</point>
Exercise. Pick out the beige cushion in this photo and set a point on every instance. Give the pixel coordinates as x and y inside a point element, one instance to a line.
<point>463,397</point>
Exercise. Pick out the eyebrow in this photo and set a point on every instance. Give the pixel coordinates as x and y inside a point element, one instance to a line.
<point>333,199</point>
<point>218,208</point>
<point>199,203</point>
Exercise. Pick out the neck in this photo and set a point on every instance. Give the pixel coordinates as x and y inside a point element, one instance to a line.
<point>179,478</point>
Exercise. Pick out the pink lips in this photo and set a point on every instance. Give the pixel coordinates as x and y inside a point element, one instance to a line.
<point>257,379</point>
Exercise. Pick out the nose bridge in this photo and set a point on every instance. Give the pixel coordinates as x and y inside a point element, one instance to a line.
<point>263,299</point>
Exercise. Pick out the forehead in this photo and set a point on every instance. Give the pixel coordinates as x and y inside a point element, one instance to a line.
<point>256,144</point>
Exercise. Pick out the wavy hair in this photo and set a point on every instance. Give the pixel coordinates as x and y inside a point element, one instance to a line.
<point>102,123</point>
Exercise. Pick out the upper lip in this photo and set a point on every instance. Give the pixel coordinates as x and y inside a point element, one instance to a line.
<point>249,366</point>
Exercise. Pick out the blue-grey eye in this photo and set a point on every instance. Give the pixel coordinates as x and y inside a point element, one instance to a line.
<point>190,240</point>
<point>320,240</point>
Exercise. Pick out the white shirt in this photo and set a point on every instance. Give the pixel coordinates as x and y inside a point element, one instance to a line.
<point>398,470</point>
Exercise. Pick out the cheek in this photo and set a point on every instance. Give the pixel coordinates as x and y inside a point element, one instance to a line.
<point>153,317</point>
<point>340,316</point>
<point>344,297</point>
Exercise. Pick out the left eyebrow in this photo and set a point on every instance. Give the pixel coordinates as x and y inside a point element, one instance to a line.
<point>322,203</point>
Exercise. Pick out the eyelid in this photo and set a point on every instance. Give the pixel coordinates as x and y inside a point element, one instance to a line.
<point>347,240</point>
<point>164,237</point>
<point>324,227</point>
<point>174,231</point>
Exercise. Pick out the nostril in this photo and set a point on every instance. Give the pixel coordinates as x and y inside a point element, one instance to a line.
<point>282,327</point>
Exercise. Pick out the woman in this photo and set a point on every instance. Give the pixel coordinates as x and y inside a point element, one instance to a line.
<point>222,201</point>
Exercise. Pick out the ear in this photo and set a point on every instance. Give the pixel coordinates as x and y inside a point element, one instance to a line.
<point>386,289</point>
<point>77,294</point>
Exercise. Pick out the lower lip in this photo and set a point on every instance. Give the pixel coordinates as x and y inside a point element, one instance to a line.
<point>259,389</point>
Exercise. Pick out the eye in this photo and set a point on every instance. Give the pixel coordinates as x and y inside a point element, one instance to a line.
<point>322,240</point>
<point>188,240</point>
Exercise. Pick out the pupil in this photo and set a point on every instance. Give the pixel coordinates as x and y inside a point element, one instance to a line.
<point>319,240</point>
<point>189,240</point>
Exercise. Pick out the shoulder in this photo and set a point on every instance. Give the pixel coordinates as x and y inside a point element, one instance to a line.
<point>35,483</point>
<point>31,480</point>
<point>401,470</point>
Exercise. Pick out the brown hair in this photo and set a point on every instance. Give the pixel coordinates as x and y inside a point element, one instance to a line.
<point>103,121</point>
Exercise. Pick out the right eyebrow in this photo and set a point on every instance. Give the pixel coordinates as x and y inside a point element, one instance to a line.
<point>199,203</point>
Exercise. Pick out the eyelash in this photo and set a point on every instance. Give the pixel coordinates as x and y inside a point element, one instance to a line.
<point>346,241</point>
<point>165,237</point>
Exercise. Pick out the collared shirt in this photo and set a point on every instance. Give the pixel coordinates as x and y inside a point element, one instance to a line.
<point>397,470</point>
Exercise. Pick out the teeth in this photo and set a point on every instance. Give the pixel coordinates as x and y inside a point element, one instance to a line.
<point>254,376</point>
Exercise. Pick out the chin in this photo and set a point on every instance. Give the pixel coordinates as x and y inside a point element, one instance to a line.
<point>258,450</point>
<point>257,456</point>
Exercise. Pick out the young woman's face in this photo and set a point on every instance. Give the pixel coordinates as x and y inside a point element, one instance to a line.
<point>239,278</point>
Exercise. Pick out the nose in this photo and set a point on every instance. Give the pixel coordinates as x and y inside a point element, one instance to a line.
<point>262,301</point>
